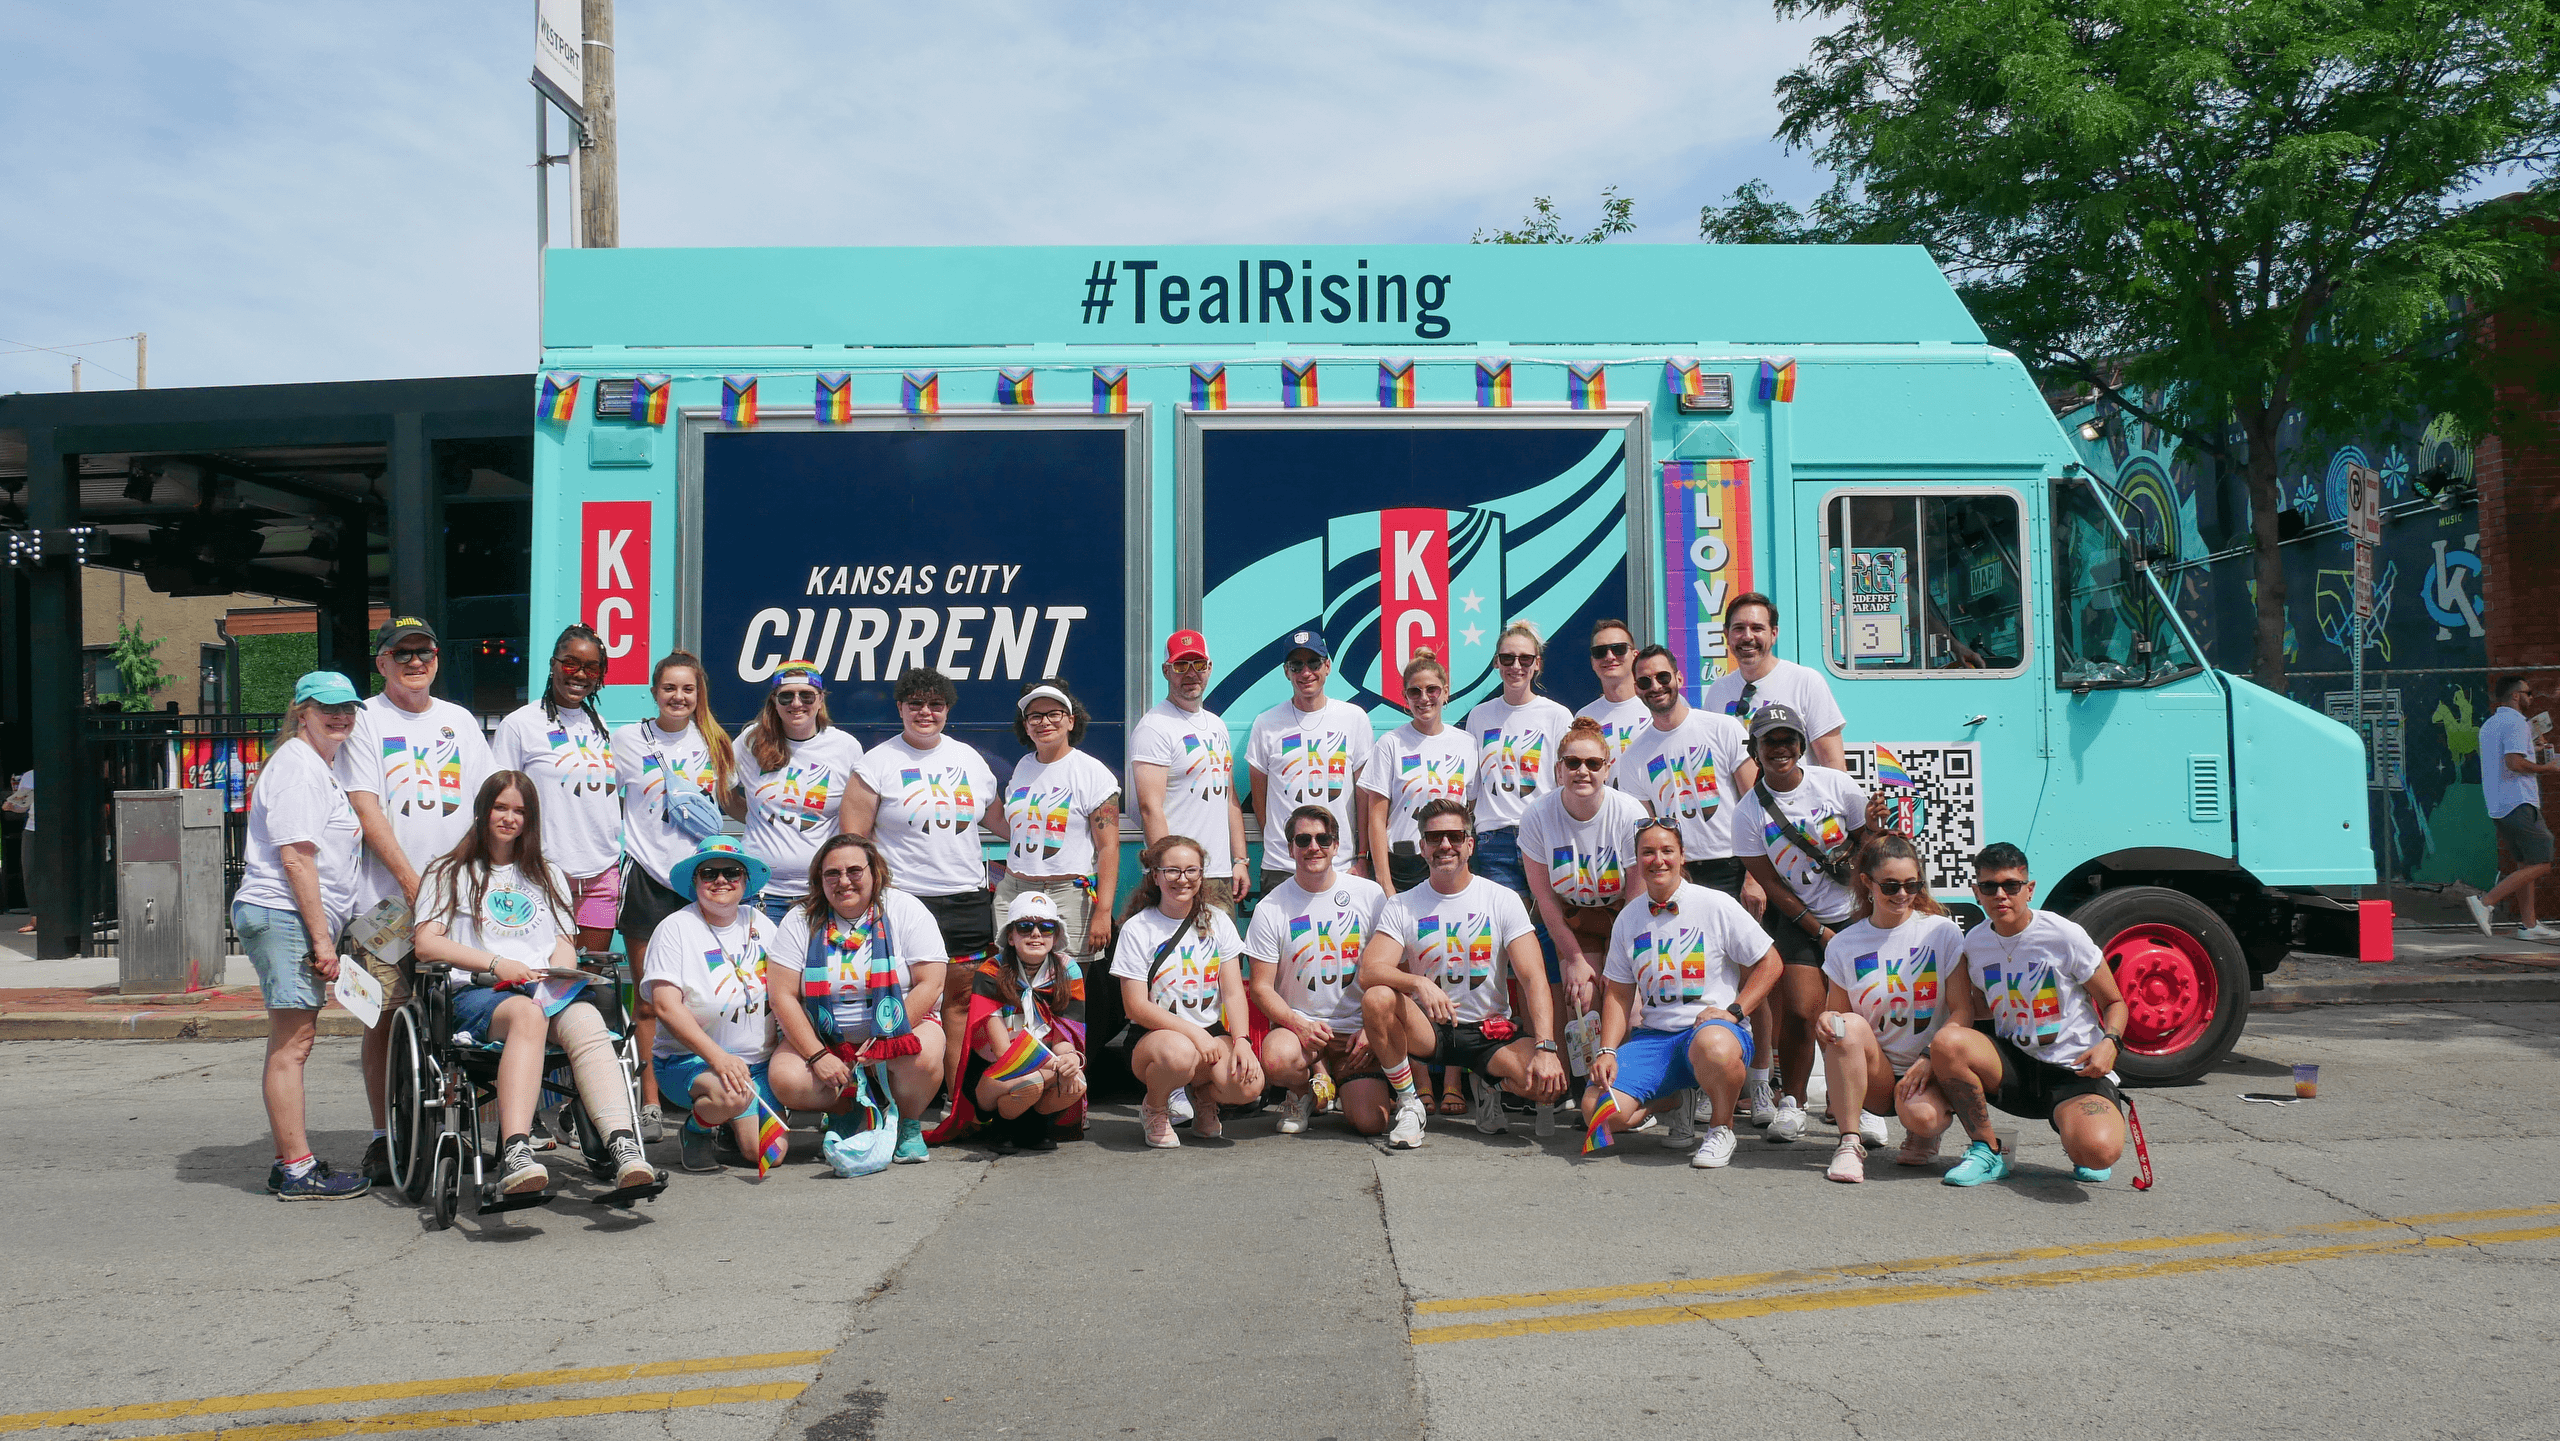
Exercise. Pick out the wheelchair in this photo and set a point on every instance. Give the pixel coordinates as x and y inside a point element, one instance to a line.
<point>440,1083</point>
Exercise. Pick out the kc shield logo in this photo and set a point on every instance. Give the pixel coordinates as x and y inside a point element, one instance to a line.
<point>1398,581</point>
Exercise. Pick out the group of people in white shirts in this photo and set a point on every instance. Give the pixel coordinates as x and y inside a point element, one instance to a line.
<point>1699,895</point>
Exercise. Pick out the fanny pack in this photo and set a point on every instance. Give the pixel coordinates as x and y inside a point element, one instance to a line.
<point>688,809</point>
<point>1833,863</point>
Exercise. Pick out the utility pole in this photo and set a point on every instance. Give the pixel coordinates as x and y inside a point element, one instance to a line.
<point>75,373</point>
<point>599,199</point>
<point>141,361</point>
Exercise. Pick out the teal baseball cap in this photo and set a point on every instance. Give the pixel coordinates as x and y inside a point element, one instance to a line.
<point>325,686</point>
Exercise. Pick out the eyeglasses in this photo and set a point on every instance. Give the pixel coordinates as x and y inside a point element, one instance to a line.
<point>1177,873</point>
<point>1898,888</point>
<point>795,697</point>
<point>418,655</point>
<point>1614,650</point>
<point>1437,839</point>
<point>1508,659</point>
<point>924,705</point>
<point>1593,764</point>
<point>1044,718</point>
<point>1658,680</point>
<point>843,875</point>
<point>1303,667</point>
<point>571,665</point>
<point>1189,667</point>
<point>1035,928</point>
<point>1310,841</point>
<point>1426,692</point>
<point>2001,888</point>
<point>719,875</point>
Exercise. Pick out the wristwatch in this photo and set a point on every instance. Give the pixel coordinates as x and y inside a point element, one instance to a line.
<point>1547,1046</point>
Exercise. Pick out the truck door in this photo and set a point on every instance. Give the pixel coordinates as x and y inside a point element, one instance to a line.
<point>1927,640</point>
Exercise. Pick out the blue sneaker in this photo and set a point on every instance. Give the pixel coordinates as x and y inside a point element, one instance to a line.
<point>911,1148</point>
<point>321,1184</point>
<point>1981,1163</point>
<point>2091,1175</point>
<point>275,1174</point>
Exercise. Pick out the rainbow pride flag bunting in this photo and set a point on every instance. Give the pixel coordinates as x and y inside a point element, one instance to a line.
<point>1013,385</point>
<point>559,397</point>
<point>1586,385</point>
<point>649,399</point>
<point>920,392</point>
<point>1298,384</point>
<point>1395,385</point>
<point>773,1139</point>
<point>835,397</point>
<point>1208,385</point>
<point>1701,472</point>
<point>1778,379</point>
<point>1020,1059</point>
<point>1493,383</point>
<point>1597,1137</point>
<point>1111,390</point>
<point>738,400</point>
<point>1681,373</point>
<point>1889,769</point>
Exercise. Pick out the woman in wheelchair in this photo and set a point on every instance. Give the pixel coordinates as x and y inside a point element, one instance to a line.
<point>706,980</point>
<point>868,964</point>
<point>503,919</point>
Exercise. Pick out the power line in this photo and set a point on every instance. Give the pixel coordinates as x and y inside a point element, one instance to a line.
<point>24,346</point>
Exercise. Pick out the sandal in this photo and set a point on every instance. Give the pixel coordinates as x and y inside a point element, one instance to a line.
<point>1453,1102</point>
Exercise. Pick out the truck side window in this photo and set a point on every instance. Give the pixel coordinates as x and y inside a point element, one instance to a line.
<point>2110,625</point>
<point>1925,582</point>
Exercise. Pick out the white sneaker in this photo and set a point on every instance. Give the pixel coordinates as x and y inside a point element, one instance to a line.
<point>1764,1105</point>
<point>1178,1105</point>
<point>2546,933</point>
<point>1295,1112</point>
<point>1684,1128</point>
<point>1411,1118</point>
<point>2481,915</point>
<point>1788,1124</point>
<point>1716,1150</point>
<point>1871,1130</point>
<point>1849,1163</point>
<point>1489,1117</point>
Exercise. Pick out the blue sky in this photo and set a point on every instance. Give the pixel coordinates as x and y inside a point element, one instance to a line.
<point>286,192</point>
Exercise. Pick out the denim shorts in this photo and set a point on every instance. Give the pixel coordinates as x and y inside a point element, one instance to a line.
<point>676,1073</point>
<point>281,950</point>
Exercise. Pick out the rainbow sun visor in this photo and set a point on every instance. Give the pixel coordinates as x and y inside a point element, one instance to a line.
<point>1493,383</point>
<point>1208,385</point>
<point>1586,385</point>
<point>1111,390</point>
<point>559,397</point>
<point>920,392</point>
<point>1298,384</point>
<point>649,399</point>
<point>1778,379</point>
<point>738,400</point>
<point>1020,1059</point>
<point>1013,385</point>
<point>835,397</point>
<point>1395,385</point>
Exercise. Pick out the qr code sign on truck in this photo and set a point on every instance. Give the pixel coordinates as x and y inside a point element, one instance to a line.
<point>1941,810</point>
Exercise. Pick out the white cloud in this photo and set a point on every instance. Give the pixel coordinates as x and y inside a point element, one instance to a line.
<point>288,192</point>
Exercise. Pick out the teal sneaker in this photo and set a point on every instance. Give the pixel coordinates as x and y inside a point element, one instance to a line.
<point>911,1149</point>
<point>1981,1163</point>
<point>2091,1175</point>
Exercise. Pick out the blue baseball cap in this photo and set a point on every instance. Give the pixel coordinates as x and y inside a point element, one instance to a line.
<point>325,686</point>
<point>1310,640</point>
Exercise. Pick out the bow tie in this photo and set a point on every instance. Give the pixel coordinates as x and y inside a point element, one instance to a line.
<point>1664,908</point>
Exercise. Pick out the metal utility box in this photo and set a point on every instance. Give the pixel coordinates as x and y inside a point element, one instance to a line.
<point>168,890</point>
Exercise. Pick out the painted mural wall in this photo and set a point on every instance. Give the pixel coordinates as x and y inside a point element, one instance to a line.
<point>2425,655</point>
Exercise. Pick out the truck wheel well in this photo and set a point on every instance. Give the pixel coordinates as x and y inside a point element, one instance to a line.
<point>2264,921</point>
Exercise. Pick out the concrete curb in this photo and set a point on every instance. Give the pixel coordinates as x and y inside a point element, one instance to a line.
<point>156,1026</point>
<point>2405,991</point>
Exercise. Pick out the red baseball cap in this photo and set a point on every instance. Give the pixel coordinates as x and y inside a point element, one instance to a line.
<point>1184,644</point>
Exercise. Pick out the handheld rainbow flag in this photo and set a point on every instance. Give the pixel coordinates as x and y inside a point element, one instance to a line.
<point>1493,383</point>
<point>1111,390</point>
<point>649,399</point>
<point>920,392</point>
<point>1020,1059</point>
<point>1681,373</point>
<point>1013,385</point>
<point>1208,385</point>
<point>835,397</point>
<point>773,1139</point>
<point>1702,472</point>
<point>1395,385</point>
<point>1597,1137</point>
<point>1586,385</point>
<point>559,397</point>
<point>1778,379</point>
<point>1298,384</point>
<point>738,400</point>
<point>1889,769</point>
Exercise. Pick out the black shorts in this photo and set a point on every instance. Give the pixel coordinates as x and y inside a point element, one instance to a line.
<point>967,922</point>
<point>2037,1088</point>
<point>1464,1045</point>
<point>1723,873</point>
<point>645,907</point>
<point>1794,946</point>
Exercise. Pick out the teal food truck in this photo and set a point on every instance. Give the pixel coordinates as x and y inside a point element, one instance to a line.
<point>1011,463</point>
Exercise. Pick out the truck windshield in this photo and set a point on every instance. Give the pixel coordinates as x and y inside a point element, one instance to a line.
<point>2112,623</point>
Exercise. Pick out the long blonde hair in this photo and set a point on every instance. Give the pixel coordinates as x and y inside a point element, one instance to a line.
<point>715,739</point>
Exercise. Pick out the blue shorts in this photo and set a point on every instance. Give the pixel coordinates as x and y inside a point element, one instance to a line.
<point>281,950</point>
<point>676,1073</point>
<point>475,1006</point>
<point>1656,1063</point>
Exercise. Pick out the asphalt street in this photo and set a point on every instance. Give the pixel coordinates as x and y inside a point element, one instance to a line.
<point>2369,1263</point>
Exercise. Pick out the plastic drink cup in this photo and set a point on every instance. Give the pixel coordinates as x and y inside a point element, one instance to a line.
<point>2306,1082</point>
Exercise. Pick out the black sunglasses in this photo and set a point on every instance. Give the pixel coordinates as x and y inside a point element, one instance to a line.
<point>1304,841</point>
<point>1659,680</point>
<point>1034,928</point>
<point>2001,888</point>
<point>1443,838</point>
<point>1583,763</point>
<point>1665,822</point>
<point>1899,888</point>
<point>1609,651</point>
<point>719,873</point>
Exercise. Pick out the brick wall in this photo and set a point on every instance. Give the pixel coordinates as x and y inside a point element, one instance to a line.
<point>2519,482</point>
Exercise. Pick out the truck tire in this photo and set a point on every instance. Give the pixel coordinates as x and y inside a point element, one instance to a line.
<point>2184,977</point>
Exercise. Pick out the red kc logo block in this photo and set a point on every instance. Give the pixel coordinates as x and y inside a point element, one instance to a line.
<point>613,584</point>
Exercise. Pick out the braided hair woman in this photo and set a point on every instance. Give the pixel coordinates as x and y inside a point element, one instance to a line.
<point>560,740</point>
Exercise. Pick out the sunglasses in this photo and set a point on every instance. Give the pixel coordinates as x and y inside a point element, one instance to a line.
<point>1507,660</point>
<point>1305,841</point>
<point>1898,888</point>
<point>1593,764</point>
<point>1658,680</point>
<point>1443,838</point>
<point>1658,823</point>
<point>1308,666</point>
<point>1741,704</point>
<point>412,655</point>
<point>1189,667</point>
<point>1614,650</point>
<point>2001,888</point>
<point>1426,692</point>
<point>795,697</point>
<point>338,708</point>
<point>569,665</point>
<point>924,705</point>
<point>719,875</point>
<point>1035,928</point>
<point>843,875</point>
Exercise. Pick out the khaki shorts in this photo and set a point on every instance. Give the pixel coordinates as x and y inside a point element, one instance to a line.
<point>393,977</point>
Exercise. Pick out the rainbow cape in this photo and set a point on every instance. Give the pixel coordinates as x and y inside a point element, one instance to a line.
<point>1493,383</point>
<point>1597,1137</point>
<point>1889,769</point>
<point>1020,1059</point>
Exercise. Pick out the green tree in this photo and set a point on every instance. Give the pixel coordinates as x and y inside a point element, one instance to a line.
<point>2214,215</point>
<point>138,666</point>
<point>1544,225</point>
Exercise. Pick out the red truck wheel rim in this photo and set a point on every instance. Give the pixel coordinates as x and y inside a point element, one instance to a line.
<point>2171,988</point>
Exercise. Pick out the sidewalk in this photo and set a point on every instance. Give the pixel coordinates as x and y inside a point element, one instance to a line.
<point>77,1000</point>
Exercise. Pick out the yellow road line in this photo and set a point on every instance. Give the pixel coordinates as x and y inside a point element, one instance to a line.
<point>1864,1296</point>
<point>405,1390</point>
<point>493,1415</point>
